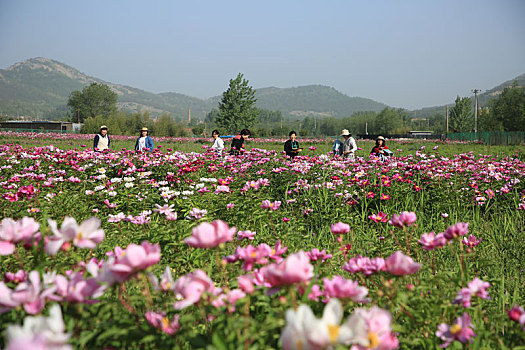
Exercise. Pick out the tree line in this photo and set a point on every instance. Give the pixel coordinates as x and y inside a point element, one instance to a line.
<point>95,105</point>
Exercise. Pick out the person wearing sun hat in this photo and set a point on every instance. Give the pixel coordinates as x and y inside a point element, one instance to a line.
<point>381,149</point>
<point>144,142</point>
<point>101,141</point>
<point>349,146</point>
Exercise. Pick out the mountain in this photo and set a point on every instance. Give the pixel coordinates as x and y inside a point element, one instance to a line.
<point>483,99</point>
<point>41,87</point>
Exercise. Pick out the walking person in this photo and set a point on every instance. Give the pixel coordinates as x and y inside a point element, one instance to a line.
<point>218,143</point>
<point>101,141</point>
<point>144,142</point>
<point>349,146</point>
<point>291,146</point>
<point>238,142</point>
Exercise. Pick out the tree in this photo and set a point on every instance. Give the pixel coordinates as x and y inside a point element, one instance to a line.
<point>460,115</point>
<point>508,111</point>
<point>390,121</point>
<point>237,108</point>
<point>94,100</point>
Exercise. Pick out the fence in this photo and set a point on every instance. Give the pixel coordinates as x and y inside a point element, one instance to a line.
<point>40,130</point>
<point>504,138</point>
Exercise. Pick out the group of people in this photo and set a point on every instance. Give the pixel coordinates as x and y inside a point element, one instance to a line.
<point>344,149</point>
<point>102,142</point>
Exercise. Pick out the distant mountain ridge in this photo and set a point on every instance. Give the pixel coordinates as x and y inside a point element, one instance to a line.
<point>41,87</point>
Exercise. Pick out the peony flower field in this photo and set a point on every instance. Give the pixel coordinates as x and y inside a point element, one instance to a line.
<point>179,248</point>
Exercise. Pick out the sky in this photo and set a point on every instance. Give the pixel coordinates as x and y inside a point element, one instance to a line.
<point>404,53</point>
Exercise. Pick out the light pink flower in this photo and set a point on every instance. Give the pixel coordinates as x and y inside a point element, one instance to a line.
<point>404,219</point>
<point>190,288</point>
<point>372,329</point>
<point>160,321</point>
<point>133,259</point>
<point>12,231</point>
<point>271,206</point>
<point>86,235</point>
<point>315,255</point>
<point>431,241</point>
<point>339,228</point>
<point>245,283</point>
<point>365,265</point>
<point>296,268</point>
<point>209,235</point>
<point>197,213</point>
<point>338,287</point>
<point>246,235</point>
<point>399,264</point>
<point>230,205</point>
<point>471,241</point>
<point>460,331</point>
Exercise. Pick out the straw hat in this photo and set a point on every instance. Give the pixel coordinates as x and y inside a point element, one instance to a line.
<point>144,129</point>
<point>380,138</point>
<point>345,132</point>
<point>103,127</point>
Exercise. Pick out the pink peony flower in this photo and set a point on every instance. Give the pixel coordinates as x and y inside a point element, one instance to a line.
<point>246,235</point>
<point>403,219</point>
<point>190,288</point>
<point>133,259</point>
<point>315,255</point>
<point>338,287</point>
<point>431,241</point>
<point>296,268</point>
<point>210,235</point>
<point>379,217</point>
<point>471,241</point>
<point>272,206</point>
<point>339,228</point>
<point>372,329</point>
<point>459,229</point>
<point>399,264</point>
<point>365,265</point>
<point>86,235</point>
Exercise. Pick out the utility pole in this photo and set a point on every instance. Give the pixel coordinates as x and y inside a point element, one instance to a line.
<point>475,91</point>
<point>366,128</point>
<point>446,116</point>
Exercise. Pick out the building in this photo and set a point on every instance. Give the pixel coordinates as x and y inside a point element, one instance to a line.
<point>37,126</point>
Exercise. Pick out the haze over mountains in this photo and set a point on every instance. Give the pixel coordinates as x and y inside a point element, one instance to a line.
<point>41,87</point>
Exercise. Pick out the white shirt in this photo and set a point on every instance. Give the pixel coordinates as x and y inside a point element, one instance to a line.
<point>142,143</point>
<point>218,145</point>
<point>351,146</point>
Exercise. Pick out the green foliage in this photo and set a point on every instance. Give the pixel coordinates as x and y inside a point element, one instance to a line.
<point>460,116</point>
<point>507,112</point>
<point>94,100</point>
<point>237,108</point>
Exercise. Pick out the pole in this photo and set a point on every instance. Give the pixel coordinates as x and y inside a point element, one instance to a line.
<point>366,128</point>
<point>476,110</point>
<point>446,116</point>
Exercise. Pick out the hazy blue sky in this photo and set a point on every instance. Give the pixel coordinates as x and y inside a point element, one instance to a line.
<point>407,54</point>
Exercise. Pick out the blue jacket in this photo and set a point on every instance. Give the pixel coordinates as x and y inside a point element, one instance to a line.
<point>149,144</point>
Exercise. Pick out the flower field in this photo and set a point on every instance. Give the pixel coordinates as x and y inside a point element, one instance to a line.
<point>179,248</point>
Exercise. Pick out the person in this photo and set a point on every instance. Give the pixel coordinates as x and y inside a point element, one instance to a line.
<point>101,141</point>
<point>337,148</point>
<point>144,142</point>
<point>291,146</point>
<point>349,146</point>
<point>218,143</point>
<point>381,149</point>
<point>238,142</point>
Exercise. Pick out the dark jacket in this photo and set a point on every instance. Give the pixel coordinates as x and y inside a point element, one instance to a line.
<point>237,145</point>
<point>149,144</point>
<point>97,137</point>
<point>291,147</point>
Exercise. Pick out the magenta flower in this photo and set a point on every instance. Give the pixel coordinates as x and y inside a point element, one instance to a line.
<point>246,235</point>
<point>230,205</point>
<point>459,229</point>
<point>404,219</point>
<point>517,314</point>
<point>29,294</point>
<point>210,235</point>
<point>190,288</point>
<point>471,241</point>
<point>339,228</point>
<point>399,264</point>
<point>315,255</point>
<point>160,321</point>
<point>12,231</point>
<point>19,276</point>
<point>296,268</point>
<point>246,283</point>
<point>460,331</point>
<point>338,287</point>
<point>379,217</point>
